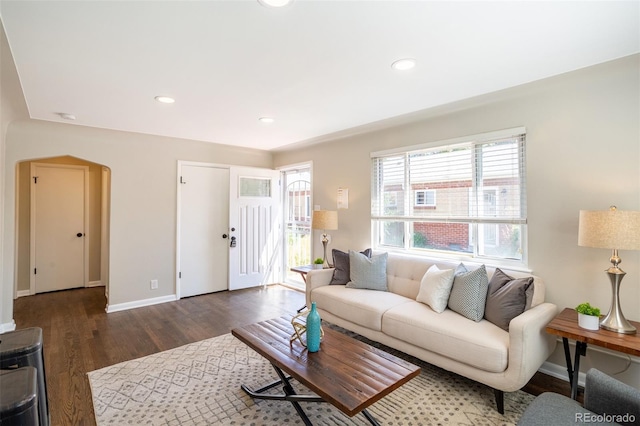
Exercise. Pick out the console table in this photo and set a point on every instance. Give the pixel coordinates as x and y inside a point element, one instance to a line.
<point>566,326</point>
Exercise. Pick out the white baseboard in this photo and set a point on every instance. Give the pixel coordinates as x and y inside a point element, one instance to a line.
<point>23,293</point>
<point>559,372</point>
<point>7,326</point>
<point>95,284</point>
<point>140,303</point>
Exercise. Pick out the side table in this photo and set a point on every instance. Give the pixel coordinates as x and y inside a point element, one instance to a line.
<point>566,326</point>
<point>303,271</point>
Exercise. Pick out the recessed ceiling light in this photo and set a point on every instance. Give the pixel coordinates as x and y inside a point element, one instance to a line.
<point>67,116</point>
<point>165,99</point>
<point>267,120</point>
<point>404,64</point>
<point>275,3</point>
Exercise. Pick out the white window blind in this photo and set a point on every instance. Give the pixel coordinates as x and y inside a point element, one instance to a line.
<point>479,181</point>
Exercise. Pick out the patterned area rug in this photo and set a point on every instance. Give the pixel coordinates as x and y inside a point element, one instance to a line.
<point>199,384</point>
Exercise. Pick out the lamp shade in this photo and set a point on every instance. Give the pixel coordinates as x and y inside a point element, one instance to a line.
<point>612,229</point>
<point>325,219</point>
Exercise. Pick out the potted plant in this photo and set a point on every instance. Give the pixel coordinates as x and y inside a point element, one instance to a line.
<point>317,264</point>
<point>588,316</point>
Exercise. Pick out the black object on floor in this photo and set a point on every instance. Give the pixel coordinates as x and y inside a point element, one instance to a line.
<point>23,348</point>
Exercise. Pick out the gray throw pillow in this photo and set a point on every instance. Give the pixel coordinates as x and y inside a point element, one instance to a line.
<point>506,298</point>
<point>368,273</point>
<point>341,273</point>
<point>469,293</point>
<point>460,269</point>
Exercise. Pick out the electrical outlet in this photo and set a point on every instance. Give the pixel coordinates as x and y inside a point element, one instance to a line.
<point>154,284</point>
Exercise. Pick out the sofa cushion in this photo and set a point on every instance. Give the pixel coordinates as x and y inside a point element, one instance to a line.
<point>360,306</point>
<point>341,273</point>
<point>436,287</point>
<point>469,293</point>
<point>368,273</point>
<point>478,344</point>
<point>506,298</point>
<point>404,274</point>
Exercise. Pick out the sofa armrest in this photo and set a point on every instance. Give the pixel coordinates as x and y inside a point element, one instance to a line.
<point>317,278</point>
<point>604,394</point>
<point>529,344</point>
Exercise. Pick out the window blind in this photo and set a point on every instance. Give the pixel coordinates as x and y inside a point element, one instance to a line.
<point>473,182</point>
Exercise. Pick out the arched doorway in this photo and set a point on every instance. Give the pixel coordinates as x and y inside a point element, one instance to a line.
<point>96,228</point>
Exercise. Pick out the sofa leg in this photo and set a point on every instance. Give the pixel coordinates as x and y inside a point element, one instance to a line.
<point>499,400</point>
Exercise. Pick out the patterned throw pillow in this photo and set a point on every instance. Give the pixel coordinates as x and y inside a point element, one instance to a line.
<point>368,273</point>
<point>506,298</point>
<point>435,288</point>
<point>469,293</point>
<point>342,272</point>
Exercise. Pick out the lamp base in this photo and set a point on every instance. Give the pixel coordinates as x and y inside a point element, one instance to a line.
<point>325,241</point>
<point>623,327</point>
<point>615,320</point>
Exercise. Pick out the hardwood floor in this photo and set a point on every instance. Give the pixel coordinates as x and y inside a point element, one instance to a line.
<point>80,337</point>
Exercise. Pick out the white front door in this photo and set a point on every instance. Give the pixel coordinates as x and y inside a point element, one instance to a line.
<point>254,209</point>
<point>58,234</point>
<point>203,192</point>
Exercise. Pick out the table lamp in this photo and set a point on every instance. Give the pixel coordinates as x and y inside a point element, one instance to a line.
<point>616,230</point>
<point>325,220</point>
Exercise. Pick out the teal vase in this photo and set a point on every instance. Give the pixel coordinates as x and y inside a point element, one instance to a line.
<point>313,329</point>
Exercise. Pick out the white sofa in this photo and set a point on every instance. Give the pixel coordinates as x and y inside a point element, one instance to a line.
<point>481,351</point>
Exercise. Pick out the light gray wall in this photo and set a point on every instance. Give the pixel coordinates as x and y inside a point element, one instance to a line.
<point>583,151</point>
<point>143,195</point>
<point>12,107</point>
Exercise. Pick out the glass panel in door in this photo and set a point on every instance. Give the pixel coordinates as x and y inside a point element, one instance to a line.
<point>297,229</point>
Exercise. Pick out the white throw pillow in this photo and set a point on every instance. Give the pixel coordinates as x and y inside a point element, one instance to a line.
<point>435,288</point>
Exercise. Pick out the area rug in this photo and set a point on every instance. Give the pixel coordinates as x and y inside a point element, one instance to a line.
<point>199,384</point>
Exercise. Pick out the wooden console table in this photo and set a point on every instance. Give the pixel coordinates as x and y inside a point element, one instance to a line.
<point>566,326</point>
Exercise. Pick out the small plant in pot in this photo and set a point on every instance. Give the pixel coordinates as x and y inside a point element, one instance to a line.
<point>318,263</point>
<point>588,316</point>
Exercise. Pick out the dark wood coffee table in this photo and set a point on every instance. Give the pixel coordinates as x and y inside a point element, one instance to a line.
<point>345,372</point>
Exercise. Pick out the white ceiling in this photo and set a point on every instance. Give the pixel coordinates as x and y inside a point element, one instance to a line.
<point>316,67</point>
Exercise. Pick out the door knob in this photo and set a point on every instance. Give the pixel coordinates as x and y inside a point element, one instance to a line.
<point>79,234</point>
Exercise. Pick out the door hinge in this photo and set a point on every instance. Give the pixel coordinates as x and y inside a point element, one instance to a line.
<point>35,179</point>
<point>182,181</point>
<point>35,271</point>
<point>179,274</point>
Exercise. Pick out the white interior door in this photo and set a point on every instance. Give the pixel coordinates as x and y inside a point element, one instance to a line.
<point>254,210</point>
<point>203,192</point>
<point>58,238</point>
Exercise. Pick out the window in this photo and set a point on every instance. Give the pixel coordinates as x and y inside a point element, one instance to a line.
<point>426,198</point>
<point>255,187</point>
<point>481,199</point>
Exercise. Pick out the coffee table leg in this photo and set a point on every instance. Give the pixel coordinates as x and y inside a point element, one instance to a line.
<point>267,387</point>
<point>369,417</point>
<point>288,390</point>
<point>289,394</point>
